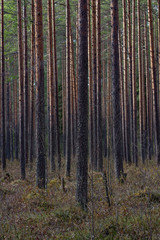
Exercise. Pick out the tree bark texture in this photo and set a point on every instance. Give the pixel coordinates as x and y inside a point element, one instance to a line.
<point>117,121</point>
<point>94,76</point>
<point>82,137</point>
<point>99,101</point>
<point>154,83</point>
<point>68,110</point>
<point>135,147</point>
<point>40,116</point>
<point>56,87</point>
<point>21,90</point>
<point>26,84</point>
<point>32,80</point>
<point>51,88</point>
<point>3,156</point>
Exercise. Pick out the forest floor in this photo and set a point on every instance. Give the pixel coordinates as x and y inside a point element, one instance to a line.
<point>28,213</point>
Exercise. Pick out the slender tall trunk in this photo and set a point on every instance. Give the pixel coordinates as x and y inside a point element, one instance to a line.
<point>56,87</point>
<point>148,92</point>
<point>82,137</point>
<point>51,88</point>
<point>130,77</point>
<point>104,110</point>
<point>94,76</point>
<point>159,47</point>
<point>3,154</point>
<point>140,83</point>
<point>117,121</point>
<point>8,146</point>
<point>40,115</point>
<point>135,148</point>
<point>16,111</point>
<point>76,80</point>
<point>26,107</point>
<point>99,104</point>
<point>11,120</point>
<point>21,90</point>
<point>73,93</point>
<point>0,105</point>
<point>68,111</point>
<point>143,97</point>
<point>122,94</point>
<point>32,94</point>
<point>154,84</point>
<point>126,98</point>
<point>109,114</point>
<point>155,36</point>
<point>64,100</point>
<point>48,106</point>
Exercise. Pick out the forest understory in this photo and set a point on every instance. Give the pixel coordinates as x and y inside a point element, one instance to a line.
<point>27,212</point>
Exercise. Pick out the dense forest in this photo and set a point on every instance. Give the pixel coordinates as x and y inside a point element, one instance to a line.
<point>80,119</point>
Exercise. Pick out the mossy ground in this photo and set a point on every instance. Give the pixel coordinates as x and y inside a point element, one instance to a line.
<point>29,213</point>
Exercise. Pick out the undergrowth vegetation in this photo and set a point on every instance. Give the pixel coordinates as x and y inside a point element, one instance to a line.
<point>29,213</point>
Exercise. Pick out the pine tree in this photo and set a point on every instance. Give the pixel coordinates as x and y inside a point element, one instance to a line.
<point>32,80</point>
<point>135,148</point>
<point>68,110</point>
<point>99,104</point>
<point>154,84</point>
<point>90,86</point>
<point>140,82</point>
<point>40,116</point>
<point>82,137</point>
<point>3,156</point>
<point>94,76</point>
<point>21,89</point>
<point>126,98</point>
<point>117,121</point>
<point>51,88</point>
<point>26,84</point>
<point>56,86</point>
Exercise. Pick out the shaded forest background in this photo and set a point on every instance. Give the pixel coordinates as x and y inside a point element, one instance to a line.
<point>108,159</point>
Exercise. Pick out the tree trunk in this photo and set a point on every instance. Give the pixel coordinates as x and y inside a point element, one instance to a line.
<point>130,77</point>
<point>76,80</point>
<point>135,148</point>
<point>56,88</point>
<point>51,88</point>
<point>3,153</point>
<point>99,107</point>
<point>68,111</point>
<point>40,115</point>
<point>90,87</point>
<point>143,98</point>
<point>11,120</point>
<point>104,110</point>
<point>73,94</point>
<point>140,83</point>
<point>8,146</point>
<point>21,90</point>
<point>26,92</point>
<point>154,84</point>
<point>94,76</point>
<point>148,93</point>
<point>122,94</point>
<point>126,99</point>
<point>64,100</point>
<point>117,121</point>
<point>16,131</point>
<point>82,137</point>
<point>32,94</point>
<point>159,47</point>
<point>109,114</point>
